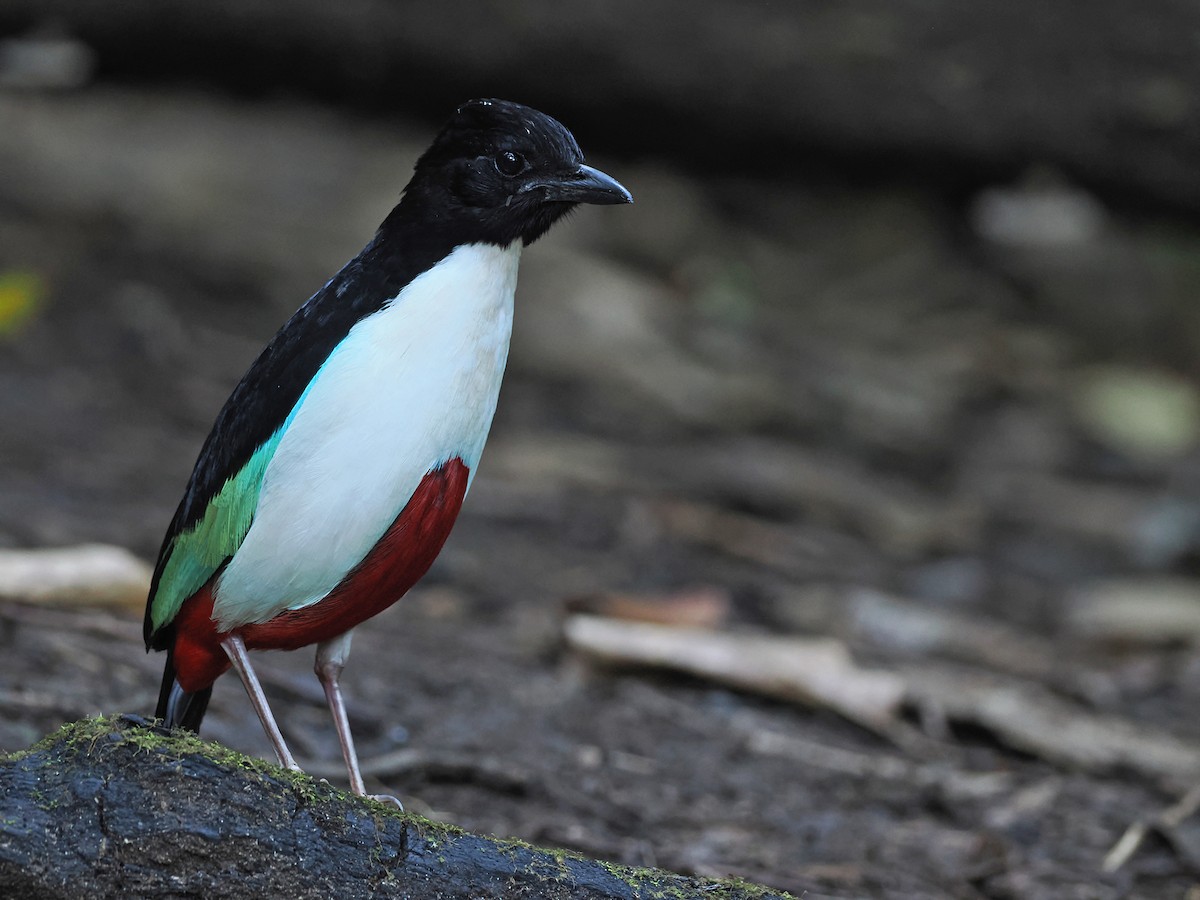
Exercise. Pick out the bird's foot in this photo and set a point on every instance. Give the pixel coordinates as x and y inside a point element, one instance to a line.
<point>386,798</point>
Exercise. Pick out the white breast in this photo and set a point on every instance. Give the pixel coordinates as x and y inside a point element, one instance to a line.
<point>410,387</point>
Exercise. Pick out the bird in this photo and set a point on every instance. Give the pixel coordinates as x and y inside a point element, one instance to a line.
<point>335,471</point>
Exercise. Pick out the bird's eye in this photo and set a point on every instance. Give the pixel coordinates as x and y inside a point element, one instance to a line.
<point>509,163</point>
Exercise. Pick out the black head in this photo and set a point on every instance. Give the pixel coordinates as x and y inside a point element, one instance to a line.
<point>499,171</point>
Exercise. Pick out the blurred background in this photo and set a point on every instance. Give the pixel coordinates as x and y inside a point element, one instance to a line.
<point>896,358</point>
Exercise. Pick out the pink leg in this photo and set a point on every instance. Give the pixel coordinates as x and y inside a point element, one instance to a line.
<point>236,651</point>
<point>331,659</point>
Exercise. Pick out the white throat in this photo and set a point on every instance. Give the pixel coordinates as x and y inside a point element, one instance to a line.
<point>411,386</point>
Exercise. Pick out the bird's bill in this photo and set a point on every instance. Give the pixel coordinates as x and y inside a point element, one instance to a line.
<point>587,185</point>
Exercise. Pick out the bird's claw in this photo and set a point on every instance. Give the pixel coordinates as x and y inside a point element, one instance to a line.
<point>387,798</point>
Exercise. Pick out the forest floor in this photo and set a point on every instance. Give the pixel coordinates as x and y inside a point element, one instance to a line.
<point>871,415</point>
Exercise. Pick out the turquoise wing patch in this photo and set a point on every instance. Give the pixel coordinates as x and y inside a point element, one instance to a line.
<point>197,552</point>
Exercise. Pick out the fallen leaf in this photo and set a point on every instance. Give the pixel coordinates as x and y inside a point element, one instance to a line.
<point>1035,721</point>
<point>87,575</point>
<point>1136,611</point>
<point>915,629</point>
<point>1144,413</point>
<point>696,607</point>
<point>21,293</point>
<point>816,671</point>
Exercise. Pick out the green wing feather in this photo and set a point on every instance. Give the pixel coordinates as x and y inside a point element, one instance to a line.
<point>199,551</point>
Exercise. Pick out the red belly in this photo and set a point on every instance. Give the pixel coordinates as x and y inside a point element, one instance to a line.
<point>395,563</point>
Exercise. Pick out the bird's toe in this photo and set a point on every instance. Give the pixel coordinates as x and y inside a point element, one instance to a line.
<point>387,798</point>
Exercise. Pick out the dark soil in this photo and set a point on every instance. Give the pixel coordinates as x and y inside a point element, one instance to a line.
<point>884,394</point>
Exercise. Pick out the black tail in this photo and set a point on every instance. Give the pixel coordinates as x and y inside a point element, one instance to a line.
<point>175,705</point>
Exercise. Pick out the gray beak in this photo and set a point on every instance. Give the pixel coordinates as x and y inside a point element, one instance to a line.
<point>587,185</point>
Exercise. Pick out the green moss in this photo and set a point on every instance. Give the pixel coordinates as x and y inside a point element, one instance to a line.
<point>656,884</point>
<point>45,803</point>
<point>652,884</point>
<point>15,756</point>
<point>117,730</point>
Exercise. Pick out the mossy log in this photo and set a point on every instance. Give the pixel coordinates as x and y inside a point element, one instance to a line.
<point>120,807</point>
